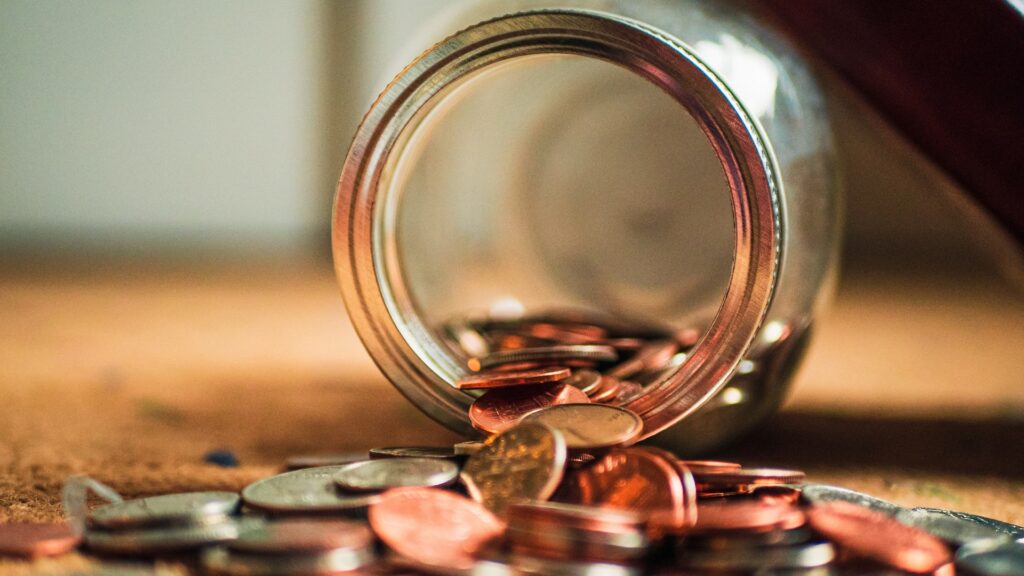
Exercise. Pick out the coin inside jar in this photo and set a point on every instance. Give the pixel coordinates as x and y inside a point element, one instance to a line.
<point>381,474</point>
<point>501,408</point>
<point>558,354</point>
<point>485,380</point>
<point>590,426</point>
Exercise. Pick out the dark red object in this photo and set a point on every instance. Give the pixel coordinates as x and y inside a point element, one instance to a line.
<point>948,74</point>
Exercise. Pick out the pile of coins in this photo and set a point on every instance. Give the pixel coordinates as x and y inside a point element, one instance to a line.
<point>558,358</point>
<point>557,488</point>
<point>525,502</point>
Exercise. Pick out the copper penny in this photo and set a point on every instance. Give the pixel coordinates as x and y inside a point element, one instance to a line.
<point>710,466</point>
<point>589,381</point>
<point>433,527</point>
<point>557,354</point>
<point>35,540</point>
<point>501,408</point>
<point>747,516</point>
<point>631,479</point>
<point>607,390</point>
<point>486,380</point>
<point>748,477</point>
<point>590,426</point>
<point>777,494</point>
<point>873,535</point>
<point>688,510</point>
<point>652,356</point>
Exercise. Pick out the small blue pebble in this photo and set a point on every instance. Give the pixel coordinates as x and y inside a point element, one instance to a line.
<point>222,458</point>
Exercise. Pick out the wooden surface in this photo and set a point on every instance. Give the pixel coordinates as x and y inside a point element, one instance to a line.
<point>131,373</point>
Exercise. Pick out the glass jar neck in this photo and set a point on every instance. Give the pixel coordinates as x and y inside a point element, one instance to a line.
<point>364,214</point>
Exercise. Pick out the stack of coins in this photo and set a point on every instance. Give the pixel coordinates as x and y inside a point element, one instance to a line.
<point>297,546</point>
<point>163,524</point>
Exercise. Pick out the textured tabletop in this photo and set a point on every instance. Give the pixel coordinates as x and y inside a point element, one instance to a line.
<point>131,373</point>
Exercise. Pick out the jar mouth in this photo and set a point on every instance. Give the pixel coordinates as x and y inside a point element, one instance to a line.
<point>364,218</point>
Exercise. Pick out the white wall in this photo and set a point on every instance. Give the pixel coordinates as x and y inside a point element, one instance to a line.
<point>168,120</point>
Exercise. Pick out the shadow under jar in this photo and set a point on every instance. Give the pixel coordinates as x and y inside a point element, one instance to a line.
<point>619,174</point>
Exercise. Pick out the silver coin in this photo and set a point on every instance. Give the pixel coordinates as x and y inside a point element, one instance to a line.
<point>991,558</point>
<point>951,529</point>
<point>166,509</point>
<point>442,452</point>
<point>591,352</point>
<point>311,490</point>
<point>1014,531</point>
<point>468,448</point>
<point>301,535</point>
<point>547,567</point>
<point>223,561</point>
<point>563,541</point>
<point>822,493</point>
<point>774,557</point>
<point>162,539</point>
<point>381,474</point>
<point>317,460</point>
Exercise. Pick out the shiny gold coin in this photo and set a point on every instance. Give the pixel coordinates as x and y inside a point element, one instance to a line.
<point>590,426</point>
<point>522,463</point>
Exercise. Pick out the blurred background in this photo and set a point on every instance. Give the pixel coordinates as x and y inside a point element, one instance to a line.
<point>166,178</point>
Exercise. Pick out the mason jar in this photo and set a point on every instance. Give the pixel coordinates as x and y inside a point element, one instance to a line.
<point>657,163</point>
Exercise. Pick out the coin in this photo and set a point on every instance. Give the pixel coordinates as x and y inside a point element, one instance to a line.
<point>865,532</point>
<point>317,460</point>
<point>632,479</point>
<point>161,539</point>
<point>747,516</point>
<point>588,381</point>
<point>777,494</point>
<point>501,408</point>
<point>546,355</point>
<point>651,356</point>
<point>576,532</point>
<point>485,380</point>
<point>710,466</point>
<point>950,529</point>
<point>458,527</point>
<point>522,463</point>
<point>687,511</point>
<point>764,558</point>
<point>305,535</point>
<point>523,564</point>
<point>443,452</point>
<point>607,390</point>
<point>747,478</point>
<point>233,563</point>
<point>166,509</point>
<point>824,493</point>
<point>303,491</point>
<point>35,540</point>
<point>381,474</point>
<point>1005,528</point>
<point>590,426</point>
<point>468,448</point>
<point>991,558</point>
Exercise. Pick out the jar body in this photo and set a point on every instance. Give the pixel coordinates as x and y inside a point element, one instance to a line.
<point>549,182</point>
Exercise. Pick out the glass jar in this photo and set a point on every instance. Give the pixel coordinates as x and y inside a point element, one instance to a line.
<point>654,167</point>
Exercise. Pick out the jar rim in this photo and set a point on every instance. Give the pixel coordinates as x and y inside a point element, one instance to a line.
<point>381,310</point>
